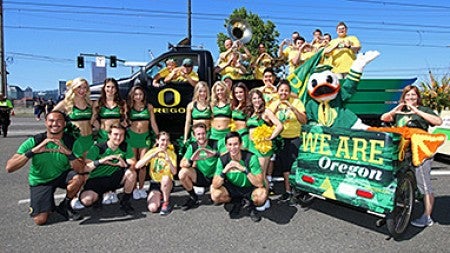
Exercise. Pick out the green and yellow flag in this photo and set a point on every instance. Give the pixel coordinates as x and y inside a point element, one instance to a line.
<point>299,78</point>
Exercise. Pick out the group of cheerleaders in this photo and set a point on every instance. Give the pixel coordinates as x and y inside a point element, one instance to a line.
<point>222,109</point>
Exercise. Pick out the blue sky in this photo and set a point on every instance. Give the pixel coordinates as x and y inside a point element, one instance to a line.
<point>44,37</point>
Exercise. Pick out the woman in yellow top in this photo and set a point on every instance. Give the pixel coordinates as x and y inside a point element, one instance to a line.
<point>162,168</point>
<point>291,113</point>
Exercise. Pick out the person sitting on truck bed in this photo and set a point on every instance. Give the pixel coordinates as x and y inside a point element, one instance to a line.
<point>184,73</point>
<point>263,61</point>
<point>198,110</point>
<point>171,64</point>
<point>283,52</point>
<point>231,47</point>
<point>342,50</point>
<point>233,68</point>
<point>221,109</point>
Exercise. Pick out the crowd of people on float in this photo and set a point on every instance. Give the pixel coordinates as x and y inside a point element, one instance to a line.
<point>226,153</point>
<point>339,52</point>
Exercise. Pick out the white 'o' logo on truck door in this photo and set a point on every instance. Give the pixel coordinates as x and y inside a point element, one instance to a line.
<point>169,97</point>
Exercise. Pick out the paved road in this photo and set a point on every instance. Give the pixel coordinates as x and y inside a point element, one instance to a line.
<point>325,227</point>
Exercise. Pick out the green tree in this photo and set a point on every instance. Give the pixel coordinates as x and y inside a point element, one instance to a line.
<point>263,32</point>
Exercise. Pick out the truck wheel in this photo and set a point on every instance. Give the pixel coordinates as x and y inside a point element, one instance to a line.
<point>398,220</point>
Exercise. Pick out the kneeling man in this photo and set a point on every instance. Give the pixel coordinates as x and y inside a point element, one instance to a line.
<point>198,165</point>
<point>111,167</point>
<point>238,176</point>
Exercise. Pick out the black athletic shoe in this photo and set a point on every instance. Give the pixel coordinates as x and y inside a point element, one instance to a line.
<point>285,197</point>
<point>254,216</point>
<point>67,212</point>
<point>235,210</point>
<point>190,204</point>
<point>127,208</point>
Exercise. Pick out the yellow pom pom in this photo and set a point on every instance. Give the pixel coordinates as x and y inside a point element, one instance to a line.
<point>260,137</point>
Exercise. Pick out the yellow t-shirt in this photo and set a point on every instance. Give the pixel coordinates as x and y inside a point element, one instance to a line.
<point>264,63</point>
<point>287,117</point>
<point>163,73</point>
<point>306,55</point>
<point>232,72</point>
<point>193,75</point>
<point>342,58</point>
<point>292,55</point>
<point>159,167</point>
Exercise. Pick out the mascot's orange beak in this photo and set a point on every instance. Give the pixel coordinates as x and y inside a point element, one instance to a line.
<point>324,92</point>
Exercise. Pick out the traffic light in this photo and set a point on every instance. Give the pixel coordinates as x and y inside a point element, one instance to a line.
<point>80,61</point>
<point>113,61</point>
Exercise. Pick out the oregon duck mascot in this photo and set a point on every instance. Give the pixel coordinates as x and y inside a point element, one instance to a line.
<point>327,106</point>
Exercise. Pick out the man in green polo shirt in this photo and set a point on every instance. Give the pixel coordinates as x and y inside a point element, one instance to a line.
<point>111,166</point>
<point>51,162</point>
<point>238,177</point>
<point>198,165</point>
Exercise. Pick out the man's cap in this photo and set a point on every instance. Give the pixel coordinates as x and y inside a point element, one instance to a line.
<point>226,77</point>
<point>187,62</point>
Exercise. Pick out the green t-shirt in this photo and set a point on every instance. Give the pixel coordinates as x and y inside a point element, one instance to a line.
<point>414,120</point>
<point>44,167</point>
<point>105,170</point>
<point>206,166</point>
<point>239,178</point>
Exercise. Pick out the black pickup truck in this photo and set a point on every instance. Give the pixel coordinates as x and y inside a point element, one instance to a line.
<point>373,97</point>
<point>170,99</point>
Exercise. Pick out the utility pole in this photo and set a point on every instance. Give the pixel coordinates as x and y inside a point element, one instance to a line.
<point>189,11</point>
<point>2,54</point>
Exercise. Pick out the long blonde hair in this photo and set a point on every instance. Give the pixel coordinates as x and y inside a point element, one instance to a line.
<point>70,94</point>
<point>198,86</point>
<point>214,97</point>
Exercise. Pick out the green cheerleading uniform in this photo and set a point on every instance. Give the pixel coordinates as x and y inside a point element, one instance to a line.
<point>239,115</point>
<point>82,143</point>
<point>220,112</point>
<point>254,122</point>
<point>219,135</point>
<point>107,113</point>
<point>139,140</point>
<point>198,114</point>
<point>104,170</point>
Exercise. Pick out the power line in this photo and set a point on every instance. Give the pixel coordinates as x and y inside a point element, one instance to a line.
<point>401,4</point>
<point>87,30</point>
<point>214,16</point>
